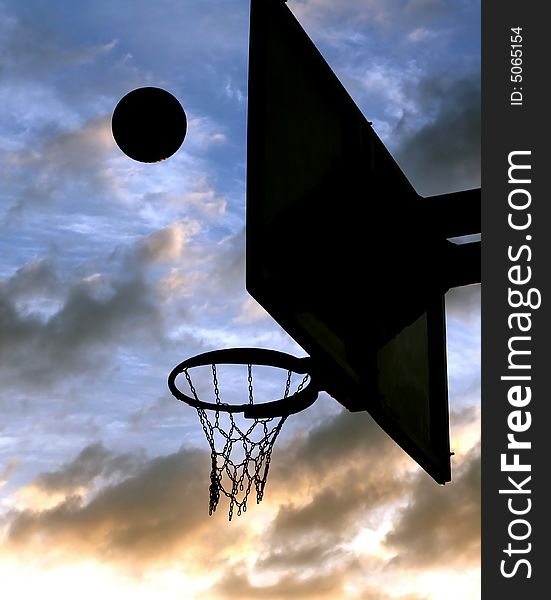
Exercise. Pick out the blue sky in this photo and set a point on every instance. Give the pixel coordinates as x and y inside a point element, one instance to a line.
<point>113,271</point>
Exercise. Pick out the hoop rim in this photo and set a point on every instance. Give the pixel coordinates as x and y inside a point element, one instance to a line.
<point>281,407</point>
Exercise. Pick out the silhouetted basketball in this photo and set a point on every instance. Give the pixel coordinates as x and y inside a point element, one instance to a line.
<point>149,124</point>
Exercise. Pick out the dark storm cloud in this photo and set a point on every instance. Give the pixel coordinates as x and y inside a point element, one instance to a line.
<point>37,352</point>
<point>145,517</point>
<point>55,328</point>
<point>441,526</point>
<point>37,278</point>
<point>300,540</point>
<point>466,418</point>
<point>443,155</point>
<point>160,504</point>
<point>336,479</point>
<point>340,451</point>
<point>339,478</point>
<point>345,435</point>
<point>155,511</point>
<point>331,511</point>
<point>414,68</point>
<point>95,461</point>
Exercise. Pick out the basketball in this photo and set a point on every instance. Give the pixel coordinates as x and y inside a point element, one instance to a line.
<point>149,124</point>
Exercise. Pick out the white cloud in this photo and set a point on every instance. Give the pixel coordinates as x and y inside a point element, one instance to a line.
<point>420,34</point>
<point>62,163</point>
<point>7,471</point>
<point>376,10</point>
<point>168,244</point>
<point>203,133</point>
<point>203,199</point>
<point>251,311</point>
<point>235,93</point>
<point>177,284</point>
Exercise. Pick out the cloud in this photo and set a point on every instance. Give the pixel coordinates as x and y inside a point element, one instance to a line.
<point>167,244</point>
<point>330,484</point>
<point>325,10</point>
<point>148,516</point>
<point>424,6</point>
<point>388,15</point>
<point>37,353</point>
<point>387,84</point>
<point>339,486</point>
<point>94,461</point>
<point>251,311</point>
<point>322,586</point>
<point>465,431</point>
<point>113,266</point>
<point>464,304</point>
<point>56,328</point>
<point>325,487</point>
<point>7,471</point>
<point>93,468</point>
<point>425,106</point>
<point>35,287</point>
<point>343,581</point>
<point>295,557</point>
<point>71,162</point>
<point>440,527</point>
<point>463,343</point>
<point>440,141</point>
<point>220,295</point>
<point>338,447</point>
<point>205,200</point>
<point>47,52</point>
<point>420,34</point>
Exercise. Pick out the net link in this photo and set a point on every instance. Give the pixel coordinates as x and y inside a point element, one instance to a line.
<point>241,449</point>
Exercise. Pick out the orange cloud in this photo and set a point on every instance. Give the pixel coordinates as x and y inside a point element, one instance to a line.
<point>326,487</point>
<point>441,525</point>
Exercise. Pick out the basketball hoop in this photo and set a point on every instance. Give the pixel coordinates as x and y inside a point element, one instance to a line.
<point>241,436</point>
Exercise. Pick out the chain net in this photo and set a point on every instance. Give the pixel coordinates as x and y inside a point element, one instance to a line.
<point>241,449</point>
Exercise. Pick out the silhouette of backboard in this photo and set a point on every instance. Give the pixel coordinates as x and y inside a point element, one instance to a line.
<point>339,249</point>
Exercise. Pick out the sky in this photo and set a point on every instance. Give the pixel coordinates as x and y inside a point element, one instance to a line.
<point>113,271</point>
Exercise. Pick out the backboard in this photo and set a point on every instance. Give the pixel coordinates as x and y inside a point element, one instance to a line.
<point>339,250</point>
